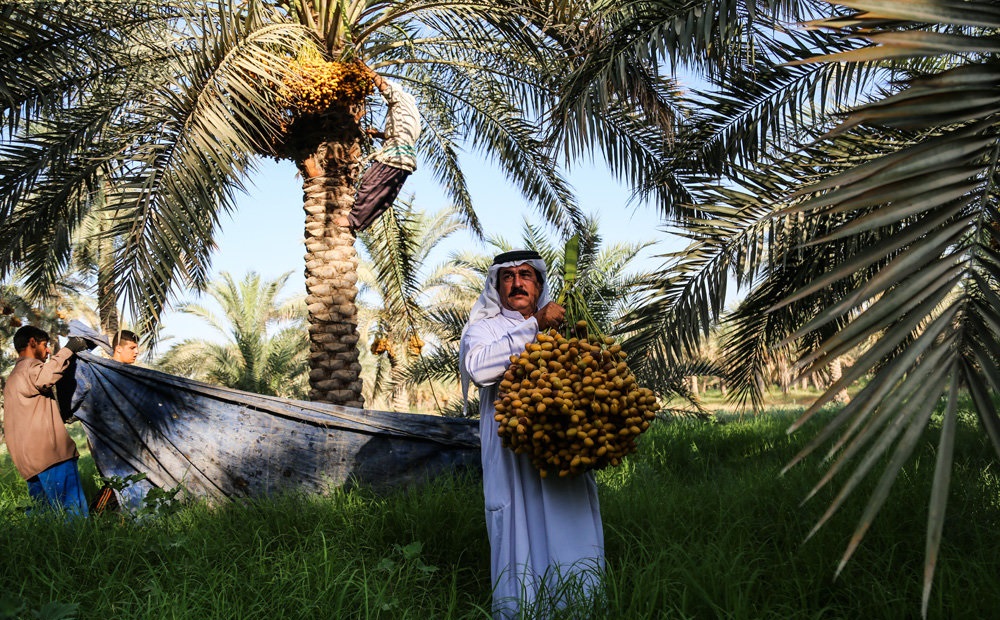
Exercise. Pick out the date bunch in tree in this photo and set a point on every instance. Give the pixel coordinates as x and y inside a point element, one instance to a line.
<point>314,85</point>
<point>569,400</point>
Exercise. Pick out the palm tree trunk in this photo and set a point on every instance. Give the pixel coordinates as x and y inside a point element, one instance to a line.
<point>107,304</point>
<point>836,372</point>
<point>107,298</point>
<point>331,274</point>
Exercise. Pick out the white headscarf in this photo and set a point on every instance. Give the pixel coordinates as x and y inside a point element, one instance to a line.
<point>488,305</point>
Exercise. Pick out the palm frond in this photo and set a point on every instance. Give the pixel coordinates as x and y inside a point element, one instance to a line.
<point>263,343</point>
<point>929,205</point>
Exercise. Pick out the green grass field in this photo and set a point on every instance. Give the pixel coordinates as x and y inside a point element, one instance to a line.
<point>698,524</point>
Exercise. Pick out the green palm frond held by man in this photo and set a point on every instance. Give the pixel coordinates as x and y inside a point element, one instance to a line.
<point>579,319</point>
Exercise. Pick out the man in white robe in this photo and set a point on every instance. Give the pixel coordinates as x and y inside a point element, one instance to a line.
<point>546,537</point>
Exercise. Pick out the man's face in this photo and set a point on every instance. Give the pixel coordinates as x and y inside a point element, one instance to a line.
<point>519,289</point>
<point>126,352</point>
<point>38,349</point>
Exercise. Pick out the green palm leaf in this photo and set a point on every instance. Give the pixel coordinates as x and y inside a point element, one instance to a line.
<point>262,345</point>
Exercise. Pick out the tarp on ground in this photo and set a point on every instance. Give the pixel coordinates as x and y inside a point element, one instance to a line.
<point>221,443</point>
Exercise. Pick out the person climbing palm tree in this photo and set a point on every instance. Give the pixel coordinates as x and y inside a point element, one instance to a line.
<point>394,162</point>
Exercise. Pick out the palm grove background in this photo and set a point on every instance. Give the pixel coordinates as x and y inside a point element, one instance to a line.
<point>835,161</point>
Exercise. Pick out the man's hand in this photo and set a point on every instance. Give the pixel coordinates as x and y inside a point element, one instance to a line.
<point>550,315</point>
<point>77,344</point>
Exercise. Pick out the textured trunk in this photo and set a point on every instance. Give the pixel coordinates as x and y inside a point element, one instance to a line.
<point>331,274</point>
<point>836,372</point>
<point>107,298</point>
<point>107,308</point>
<point>784,376</point>
<point>761,383</point>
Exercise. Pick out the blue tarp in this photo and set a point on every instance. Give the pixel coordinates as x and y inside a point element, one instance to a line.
<point>220,443</point>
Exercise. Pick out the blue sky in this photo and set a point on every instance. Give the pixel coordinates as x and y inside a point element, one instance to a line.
<point>266,231</point>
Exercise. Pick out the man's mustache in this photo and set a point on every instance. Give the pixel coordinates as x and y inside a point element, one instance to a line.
<point>518,291</point>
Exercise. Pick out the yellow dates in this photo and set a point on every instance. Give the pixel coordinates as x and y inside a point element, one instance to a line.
<point>571,404</point>
<point>312,86</point>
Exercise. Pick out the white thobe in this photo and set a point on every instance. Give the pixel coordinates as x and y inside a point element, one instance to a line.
<point>541,530</point>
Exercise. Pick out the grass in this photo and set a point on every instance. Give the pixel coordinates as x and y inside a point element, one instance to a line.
<point>698,524</point>
<point>792,400</point>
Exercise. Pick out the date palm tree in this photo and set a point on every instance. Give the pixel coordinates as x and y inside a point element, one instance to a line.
<point>263,347</point>
<point>856,200</point>
<point>164,107</point>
